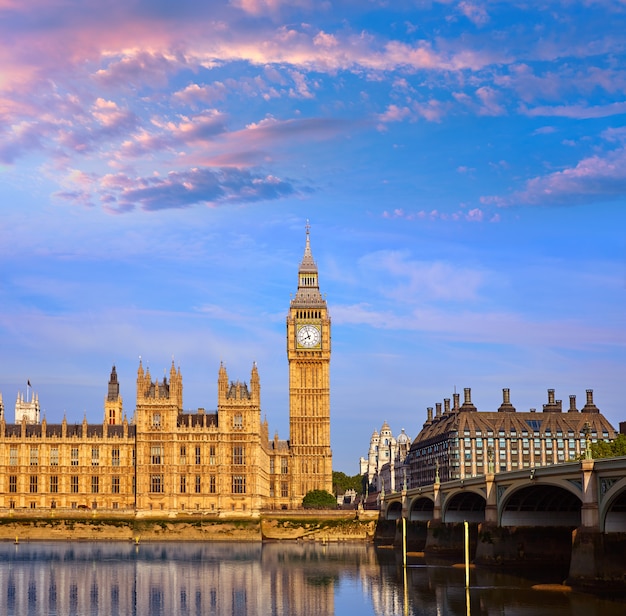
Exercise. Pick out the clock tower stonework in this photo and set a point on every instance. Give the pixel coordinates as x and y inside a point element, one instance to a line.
<point>308,351</point>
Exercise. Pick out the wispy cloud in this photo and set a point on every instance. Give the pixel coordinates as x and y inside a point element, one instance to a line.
<point>471,215</point>
<point>121,193</point>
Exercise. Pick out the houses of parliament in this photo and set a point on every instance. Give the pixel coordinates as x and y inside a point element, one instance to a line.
<point>168,460</point>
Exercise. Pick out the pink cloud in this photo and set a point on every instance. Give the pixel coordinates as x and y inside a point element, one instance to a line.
<point>120,193</point>
<point>473,215</point>
<point>592,178</point>
<point>193,93</point>
<point>577,111</point>
<point>476,13</point>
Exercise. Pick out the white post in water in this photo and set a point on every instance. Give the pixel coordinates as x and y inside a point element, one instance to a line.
<point>403,541</point>
<point>466,526</point>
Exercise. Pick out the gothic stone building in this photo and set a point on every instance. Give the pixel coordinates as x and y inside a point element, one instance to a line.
<point>461,441</point>
<point>169,460</point>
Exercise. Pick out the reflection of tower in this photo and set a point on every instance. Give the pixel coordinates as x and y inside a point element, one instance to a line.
<point>308,351</point>
<point>113,402</point>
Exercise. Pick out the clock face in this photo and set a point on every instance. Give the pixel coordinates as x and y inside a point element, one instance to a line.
<point>309,336</point>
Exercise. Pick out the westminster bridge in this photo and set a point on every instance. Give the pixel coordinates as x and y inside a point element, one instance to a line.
<point>571,514</point>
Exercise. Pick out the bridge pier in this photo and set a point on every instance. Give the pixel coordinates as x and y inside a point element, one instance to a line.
<point>524,547</point>
<point>447,540</point>
<point>597,562</point>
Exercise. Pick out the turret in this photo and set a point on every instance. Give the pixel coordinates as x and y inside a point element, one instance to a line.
<point>255,385</point>
<point>113,401</point>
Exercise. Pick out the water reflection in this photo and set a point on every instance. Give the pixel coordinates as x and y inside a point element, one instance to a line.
<point>249,579</point>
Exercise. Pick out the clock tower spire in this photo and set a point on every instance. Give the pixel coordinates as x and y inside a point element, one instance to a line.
<point>308,351</point>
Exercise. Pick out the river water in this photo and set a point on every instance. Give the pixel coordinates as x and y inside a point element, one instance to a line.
<point>250,579</point>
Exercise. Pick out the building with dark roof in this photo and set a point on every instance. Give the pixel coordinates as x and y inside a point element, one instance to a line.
<point>459,441</point>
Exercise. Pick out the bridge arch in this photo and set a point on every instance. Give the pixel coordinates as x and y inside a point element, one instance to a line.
<point>421,509</point>
<point>394,511</point>
<point>464,505</point>
<point>613,508</point>
<point>541,504</point>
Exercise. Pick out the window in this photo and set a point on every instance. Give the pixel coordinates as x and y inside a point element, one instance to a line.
<point>95,456</point>
<point>13,484</point>
<point>115,484</point>
<point>238,422</point>
<point>198,484</point>
<point>95,484</point>
<point>34,456</point>
<point>272,471</point>
<point>33,484</point>
<point>183,455</point>
<point>156,483</point>
<point>13,456</point>
<point>284,466</point>
<point>198,456</point>
<point>74,484</point>
<point>74,456</point>
<point>238,454</point>
<point>239,484</point>
<point>212,484</point>
<point>156,454</point>
<point>183,484</point>
<point>54,484</point>
<point>54,456</point>
<point>284,489</point>
<point>156,420</point>
<point>211,454</point>
<point>115,456</point>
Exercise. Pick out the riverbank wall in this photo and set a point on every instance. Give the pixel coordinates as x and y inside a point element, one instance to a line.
<point>323,526</point>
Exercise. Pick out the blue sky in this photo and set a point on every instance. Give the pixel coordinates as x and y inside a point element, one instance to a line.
<point>462,164</point>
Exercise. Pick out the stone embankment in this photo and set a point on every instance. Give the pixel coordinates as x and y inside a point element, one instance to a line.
<point>321,526</point>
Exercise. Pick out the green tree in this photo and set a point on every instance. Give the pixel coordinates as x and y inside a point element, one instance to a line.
<point>614,449</point>
<point>319,499</point>
<point>343,482</point>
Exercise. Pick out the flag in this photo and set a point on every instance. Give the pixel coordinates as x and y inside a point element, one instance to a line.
<point>29,383</point>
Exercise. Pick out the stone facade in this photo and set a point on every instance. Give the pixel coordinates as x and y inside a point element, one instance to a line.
<point>169,460</point>
<point>385,463</point>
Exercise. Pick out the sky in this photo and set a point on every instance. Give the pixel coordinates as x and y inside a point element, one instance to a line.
<point>462,165</point>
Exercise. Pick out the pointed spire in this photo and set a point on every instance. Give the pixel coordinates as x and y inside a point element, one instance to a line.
<point>308,263</point>
<point>113,392</point>
<point>308,293</point>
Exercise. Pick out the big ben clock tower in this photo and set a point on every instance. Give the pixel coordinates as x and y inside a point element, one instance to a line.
<point>308,351</point>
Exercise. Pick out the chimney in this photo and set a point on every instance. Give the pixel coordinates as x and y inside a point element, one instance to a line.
<point>572,405</point>
<point>506,406</point>
<point>456,405</point>
<point>467,403</point>
<point>553,406</point>
<point>429,416</point>
<point>590,407</point>
<point>437,410</point>
<point>446,405</point>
